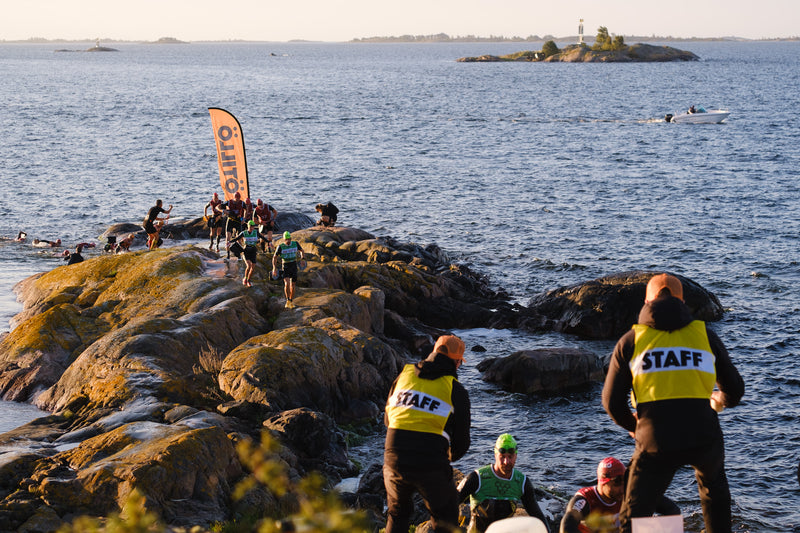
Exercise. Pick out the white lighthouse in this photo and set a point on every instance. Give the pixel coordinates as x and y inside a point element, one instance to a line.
<point>580,32</point>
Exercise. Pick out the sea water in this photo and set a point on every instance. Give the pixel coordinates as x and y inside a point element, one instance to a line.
<point>539,175</point>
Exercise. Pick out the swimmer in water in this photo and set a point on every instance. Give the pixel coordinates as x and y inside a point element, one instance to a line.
<point>42,243</point>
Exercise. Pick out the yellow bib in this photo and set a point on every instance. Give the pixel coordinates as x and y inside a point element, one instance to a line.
<point>420,404</point>
<point>668,365</point>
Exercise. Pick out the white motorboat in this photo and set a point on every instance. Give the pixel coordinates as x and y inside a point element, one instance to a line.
<point>699,116</point>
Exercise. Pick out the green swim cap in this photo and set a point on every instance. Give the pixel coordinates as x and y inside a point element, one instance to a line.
<point>506,441</point>
<point>251,223</point>
<point>287,235</point>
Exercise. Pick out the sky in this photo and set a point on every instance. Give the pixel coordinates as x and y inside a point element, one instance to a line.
<point>344,20</point>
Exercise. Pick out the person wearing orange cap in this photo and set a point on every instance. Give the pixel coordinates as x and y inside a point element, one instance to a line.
<point>596,508</point>
<point>668,365</point>
<point>428,425</point>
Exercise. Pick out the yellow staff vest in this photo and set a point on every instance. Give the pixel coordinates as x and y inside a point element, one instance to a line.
<point>669,365</point>
<point>420,404</point>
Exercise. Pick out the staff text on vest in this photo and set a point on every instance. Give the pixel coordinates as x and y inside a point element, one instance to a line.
<point>657,359</point>
<point>416,399</point>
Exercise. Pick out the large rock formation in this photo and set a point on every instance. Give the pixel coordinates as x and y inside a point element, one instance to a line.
<point>606,307</point>
<point>156,363</point>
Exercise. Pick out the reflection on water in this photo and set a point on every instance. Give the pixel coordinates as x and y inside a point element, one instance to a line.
<point>15,414</point>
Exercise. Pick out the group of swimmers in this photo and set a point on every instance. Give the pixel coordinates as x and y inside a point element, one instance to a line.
<point>71,257</point>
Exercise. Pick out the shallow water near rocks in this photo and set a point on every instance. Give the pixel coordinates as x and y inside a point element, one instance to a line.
<point>539,175</point>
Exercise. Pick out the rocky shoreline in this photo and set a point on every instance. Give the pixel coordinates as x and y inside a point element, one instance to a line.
<point>158,365</point>
<point>637,53</point>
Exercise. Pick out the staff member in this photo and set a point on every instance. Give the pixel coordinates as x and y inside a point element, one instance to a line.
<point>428,419</point>
<point>671,363</point>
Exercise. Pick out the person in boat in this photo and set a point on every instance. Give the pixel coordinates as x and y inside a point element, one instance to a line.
<point>494,490</point>
<point>328,214</point>
<point>265,216</point>
<point>150,220</point>
<point>214,219</point>
<point>692,110</point>
<point>427,417</point>
<point>288,252</point>
<point>250,236</point>
<point>668,366</point>
<point>596,508</point>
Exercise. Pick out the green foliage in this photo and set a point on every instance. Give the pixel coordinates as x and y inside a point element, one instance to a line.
<point>604,42</point>
<point>320,510</point>
<point>137,520</point>
<point>550,49</point>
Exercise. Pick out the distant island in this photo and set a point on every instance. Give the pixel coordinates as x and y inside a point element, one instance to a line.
<point>606,49</point>
<point>576,53</point>
<point>444,38</point>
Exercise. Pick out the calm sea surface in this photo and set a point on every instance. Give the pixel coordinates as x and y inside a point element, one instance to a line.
<point>539,175</point>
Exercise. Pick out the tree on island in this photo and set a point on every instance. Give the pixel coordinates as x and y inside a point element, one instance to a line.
<point>604,42</point>
<point>550,49</point>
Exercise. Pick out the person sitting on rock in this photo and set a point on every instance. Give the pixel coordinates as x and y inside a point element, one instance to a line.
<point>329,213</point>
<point>494,490</point>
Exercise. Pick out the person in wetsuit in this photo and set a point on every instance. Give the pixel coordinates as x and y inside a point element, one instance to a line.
<point>288,252</point>
<point>250,236</point>
<point>595,509</point>
<point>328,212</point>
<point>495,489</point>
<point>150,220</point>
<point>215,219</point>
<point>234,211</point>
<point>265,215</point>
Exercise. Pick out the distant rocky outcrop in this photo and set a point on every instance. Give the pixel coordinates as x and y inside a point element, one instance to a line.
<point>583,54</point>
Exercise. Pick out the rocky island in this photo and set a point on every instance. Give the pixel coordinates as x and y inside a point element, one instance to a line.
<point>606,49</point>
<point>583,54</point>
<point>163,373</point>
